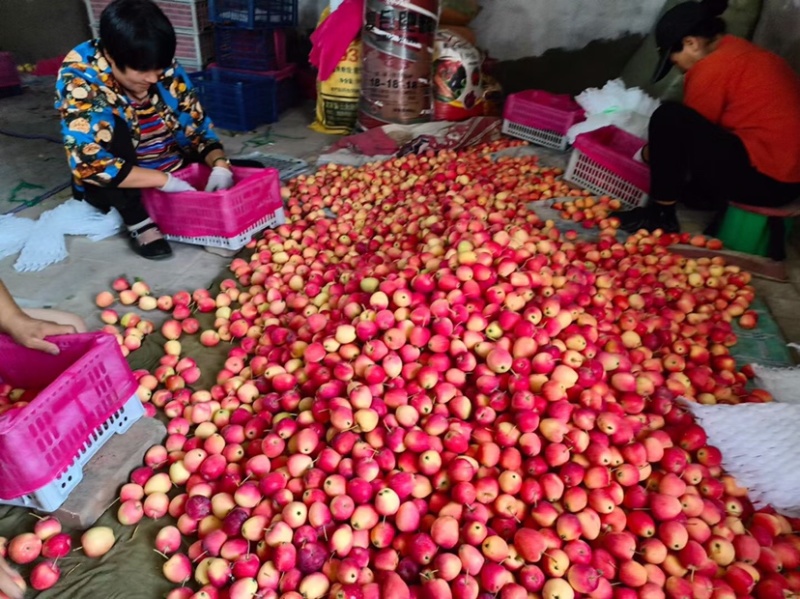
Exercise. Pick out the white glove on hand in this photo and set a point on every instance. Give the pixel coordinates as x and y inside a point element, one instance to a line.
<point>221,178</point>
<point>175,185</point>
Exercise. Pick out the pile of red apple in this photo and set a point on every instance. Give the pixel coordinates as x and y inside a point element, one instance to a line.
<point>589,211</point>
<point>435,394</point>
<point>49,541</point>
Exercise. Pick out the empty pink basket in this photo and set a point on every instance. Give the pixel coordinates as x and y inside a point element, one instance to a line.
<point>78,392</point>
<point>603,162</point>
<point>541,118</point>
<point>9,76</point>
<point>227,218</point>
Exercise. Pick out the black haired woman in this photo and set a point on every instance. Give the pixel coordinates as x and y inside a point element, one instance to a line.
<point>735,137</point>
<point>130,117</point>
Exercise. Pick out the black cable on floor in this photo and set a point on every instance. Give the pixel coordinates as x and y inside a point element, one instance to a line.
<point>38,200</point>
<point>30,136</point>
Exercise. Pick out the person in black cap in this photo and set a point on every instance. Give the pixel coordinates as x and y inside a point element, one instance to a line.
<point>735,137</point>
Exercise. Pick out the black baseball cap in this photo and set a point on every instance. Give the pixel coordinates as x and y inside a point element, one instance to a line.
<point>677,23</point>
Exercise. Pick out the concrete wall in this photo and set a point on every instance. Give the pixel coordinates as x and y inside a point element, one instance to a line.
<point>517,28</point>
<point>779,29</point>
<point>309,12</point>
<point>513,29</point>
<point>37,29</point>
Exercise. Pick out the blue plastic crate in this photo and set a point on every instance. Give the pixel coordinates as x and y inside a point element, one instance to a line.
<point>250,49</point>
<point>250,14</point>
<point>243,101</point>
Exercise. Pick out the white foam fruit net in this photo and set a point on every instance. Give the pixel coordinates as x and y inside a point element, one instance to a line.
<point>41,242</point>
<point>759,442</point>
<point>782,383</point>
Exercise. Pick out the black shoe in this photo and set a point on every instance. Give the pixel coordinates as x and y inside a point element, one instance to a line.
<point>651,217</point>
<point>155,250</point>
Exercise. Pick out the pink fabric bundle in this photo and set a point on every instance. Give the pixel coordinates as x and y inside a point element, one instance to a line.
<point>332,38</point>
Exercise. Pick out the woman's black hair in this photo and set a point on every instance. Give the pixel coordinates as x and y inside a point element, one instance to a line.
<point>136,34</point>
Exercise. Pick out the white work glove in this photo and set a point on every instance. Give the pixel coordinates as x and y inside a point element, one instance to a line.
<point>175,185</point>
<point>639,156</point>
<point>221,178</point>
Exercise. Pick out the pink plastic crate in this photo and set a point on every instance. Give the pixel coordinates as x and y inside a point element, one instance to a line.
<point>194,48</point>
<point>9,76</point>
<point>541,117</point>
<point>602,162</point>
<point>186,14</point>
<point>191,15</point>
<point>49,67</point>
<point>226,219</point>
<point>79,390</point>
<point>95,8</point>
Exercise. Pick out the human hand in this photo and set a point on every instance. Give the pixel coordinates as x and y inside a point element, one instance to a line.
<point>221,178</point>
<point>175,185</point>
<point>12,584</point>
<point>31,333</point>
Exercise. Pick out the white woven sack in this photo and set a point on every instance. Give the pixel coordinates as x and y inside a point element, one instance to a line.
<point>760,447</point>
<point>782,383</point>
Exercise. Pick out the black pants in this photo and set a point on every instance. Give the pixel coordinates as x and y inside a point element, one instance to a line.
<point>695,162</point>
<point>128,202</point>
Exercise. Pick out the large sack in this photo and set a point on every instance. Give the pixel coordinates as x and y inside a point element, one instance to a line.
<point>463,32</point>
<point>741,18</point>
<point>398,41</point>
<point>338,96</point>
<point>459,12</point>
<point>457,81</point>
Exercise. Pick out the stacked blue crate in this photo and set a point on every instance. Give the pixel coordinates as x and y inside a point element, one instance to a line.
<point>251,83</point>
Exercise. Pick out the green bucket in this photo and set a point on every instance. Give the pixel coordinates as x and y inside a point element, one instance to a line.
<point>746,232</point>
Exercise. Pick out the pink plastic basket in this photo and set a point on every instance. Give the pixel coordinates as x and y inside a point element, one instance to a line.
<point>78,391</point>
<point>194,48</point>
<point>49,67</point>
<point>226,219</point>
<point>9,76</point>
<point>602,162</point>
<point>541,117</point>
<point>186,14</point>
<point>190,15</point>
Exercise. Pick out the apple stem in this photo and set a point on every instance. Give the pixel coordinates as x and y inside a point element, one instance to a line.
<point>72,570</point>
<point>164,555</point>
<point>112,503</point>
<point>197,559</point>
<point>133,535</point>
<point>37,516</point>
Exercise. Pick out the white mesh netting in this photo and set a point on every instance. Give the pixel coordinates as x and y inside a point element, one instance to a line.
<point>760,446</point>
<point>782,383</point>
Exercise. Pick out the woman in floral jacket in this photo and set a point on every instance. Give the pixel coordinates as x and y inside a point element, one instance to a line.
<point>130,117</point>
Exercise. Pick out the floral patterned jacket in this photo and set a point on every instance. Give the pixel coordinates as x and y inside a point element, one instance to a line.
<point>88,98</point>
